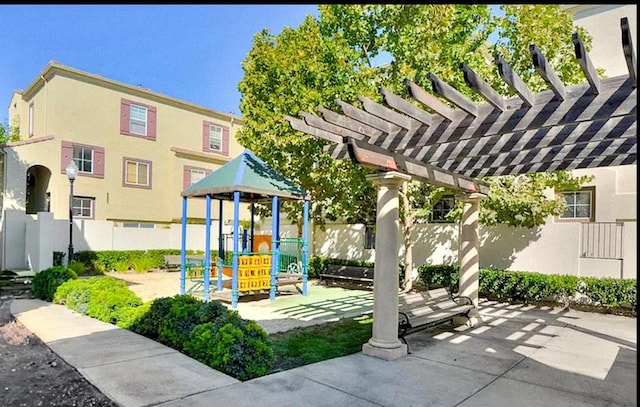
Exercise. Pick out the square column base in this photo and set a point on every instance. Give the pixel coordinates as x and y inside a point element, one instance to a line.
<point>384,353</point>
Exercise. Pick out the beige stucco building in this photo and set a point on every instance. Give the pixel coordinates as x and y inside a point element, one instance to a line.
<point>136,150</point>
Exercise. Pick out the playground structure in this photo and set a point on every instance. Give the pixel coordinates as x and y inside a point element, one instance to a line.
<point>254,263</point>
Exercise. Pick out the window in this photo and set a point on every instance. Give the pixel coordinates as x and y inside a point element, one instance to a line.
<point>137,173</point>
<point>83,207</point>
<point>137,119</point>
<point>441,209</point>
<point>83,156</point>
<point>580,205</point>
<point>139,225</point>
<point>369,237</point>
<point>31,120</point>
<point>191,175</point>
<point>215,138</point>
<point>89,159</point>
<point>197,175</point>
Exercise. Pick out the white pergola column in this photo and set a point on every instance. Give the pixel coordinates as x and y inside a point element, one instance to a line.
<point>384,343</point>
<point>469,252</point>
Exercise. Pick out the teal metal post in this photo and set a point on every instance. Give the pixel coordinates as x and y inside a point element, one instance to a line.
<point>252,227</point>
<point>207,249</point>
<point>274,248</point>
<point>305,246</point>
<point>220,249</point>
<point>183,248</point>
<point>236,236</point>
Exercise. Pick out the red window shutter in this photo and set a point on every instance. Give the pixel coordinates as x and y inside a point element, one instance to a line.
<point>98,161</point>
<point>225,140</point>
<point>125,108</point>
<point>66,156</point>
<point>205,136</point>
<point>186,177</point>
<point>151,122</point>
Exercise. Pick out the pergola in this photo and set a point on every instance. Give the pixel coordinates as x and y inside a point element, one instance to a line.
<point>453,143</point>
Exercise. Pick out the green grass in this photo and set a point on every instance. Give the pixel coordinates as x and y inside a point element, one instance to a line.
<point>302,346</point>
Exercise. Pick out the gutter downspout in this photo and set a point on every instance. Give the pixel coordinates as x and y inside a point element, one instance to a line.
<point>2,191</point>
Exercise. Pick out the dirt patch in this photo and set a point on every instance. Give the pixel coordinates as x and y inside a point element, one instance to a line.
<point>33,375</point>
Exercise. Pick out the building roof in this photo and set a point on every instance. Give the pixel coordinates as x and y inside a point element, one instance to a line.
<point>55,68</point>
<point>253,178</point>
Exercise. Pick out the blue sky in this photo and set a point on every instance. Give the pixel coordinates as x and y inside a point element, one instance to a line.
<point>189,52</point>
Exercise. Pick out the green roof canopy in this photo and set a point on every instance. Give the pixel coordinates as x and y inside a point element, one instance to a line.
<point>253,178</point>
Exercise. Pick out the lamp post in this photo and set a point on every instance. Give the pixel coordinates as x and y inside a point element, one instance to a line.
<point>72,172</point>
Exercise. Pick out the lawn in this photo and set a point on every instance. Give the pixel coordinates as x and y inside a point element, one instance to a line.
<point>302,346</point>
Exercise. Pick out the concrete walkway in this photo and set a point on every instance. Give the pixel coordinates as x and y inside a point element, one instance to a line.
<point>520,355</point>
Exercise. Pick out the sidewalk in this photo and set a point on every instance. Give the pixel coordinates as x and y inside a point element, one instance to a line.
<point>519,355</point>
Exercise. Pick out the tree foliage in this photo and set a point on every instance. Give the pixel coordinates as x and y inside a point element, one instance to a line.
<point>333,58</point>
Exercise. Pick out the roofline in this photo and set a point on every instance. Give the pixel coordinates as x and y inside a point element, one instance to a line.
<point>54,67</point>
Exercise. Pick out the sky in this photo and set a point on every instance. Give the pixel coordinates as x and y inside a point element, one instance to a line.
<point>189,52</point>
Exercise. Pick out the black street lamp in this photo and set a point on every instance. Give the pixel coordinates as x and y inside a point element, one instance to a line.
<point>72,173</point>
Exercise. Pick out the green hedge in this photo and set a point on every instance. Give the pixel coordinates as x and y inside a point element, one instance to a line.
<point>113,259</point>
<point>521,286</point>
<point>46,282</point>
<point>104,298</point>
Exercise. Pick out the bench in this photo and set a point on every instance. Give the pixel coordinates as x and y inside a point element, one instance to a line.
<point>172,262</point>
<point>352,274</point>
<point>422,310</point>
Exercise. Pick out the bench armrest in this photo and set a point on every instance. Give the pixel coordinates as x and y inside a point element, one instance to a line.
<point>461,300</point>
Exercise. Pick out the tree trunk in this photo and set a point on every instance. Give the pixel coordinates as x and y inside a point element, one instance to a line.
<point>409,217</point>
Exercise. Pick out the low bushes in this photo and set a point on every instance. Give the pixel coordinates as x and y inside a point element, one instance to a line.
<point>46,282</point>
<point>210,333</point>
<point>123,260</point>
<point>103,298</point>
<point>519,286</point>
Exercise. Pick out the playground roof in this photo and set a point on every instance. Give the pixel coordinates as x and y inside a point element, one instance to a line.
<point>253,178</point>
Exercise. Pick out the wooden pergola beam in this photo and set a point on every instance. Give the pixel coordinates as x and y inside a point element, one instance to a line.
<point>389,115</point>
<point>405,107</point>
<point>318,122</point>
<point>368,118</point>
<point>446,154</point>
<point>514,81</point>
<point>378,158</point>
<point>349,123</point>
<point>627,47</point>
<point>482,88</point>
<point>546,72</point>
<point>585,64</point>
<point>430,101</point>
<point>547,166</point>
<point>300,125</point>
<point>579,150</point>
<point>452,95</point>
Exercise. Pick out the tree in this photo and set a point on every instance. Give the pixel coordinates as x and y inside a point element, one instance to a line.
<point>300,70</point>
<point>333,58</point>
<point>8,133</point>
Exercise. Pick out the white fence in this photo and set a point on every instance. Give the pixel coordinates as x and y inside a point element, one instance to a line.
<point>555,248</point>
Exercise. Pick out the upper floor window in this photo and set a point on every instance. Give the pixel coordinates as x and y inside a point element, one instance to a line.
<point>83,156</point>
<point>83,207</point>
<point>580,205</point>
<point>441,209</point>
<point>137,119</point>
<point>137,173</point>
<point>88,158</point>
<point>215,138</point>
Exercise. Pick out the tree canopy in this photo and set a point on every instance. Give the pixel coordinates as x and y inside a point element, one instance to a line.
<point>334,56</point>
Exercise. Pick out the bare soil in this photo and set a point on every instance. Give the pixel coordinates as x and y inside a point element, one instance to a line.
<point>31,374</point>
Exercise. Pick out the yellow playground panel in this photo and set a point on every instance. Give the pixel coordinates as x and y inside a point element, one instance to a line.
<point>254,272</point>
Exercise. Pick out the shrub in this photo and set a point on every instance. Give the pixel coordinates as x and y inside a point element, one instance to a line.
<point>142,264</point>
<point>103,298</point>
<point>46,282</point>
<point>121,266</point>
<point>78,267</point>
<point>131,315</point>
<point>232,345</point>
